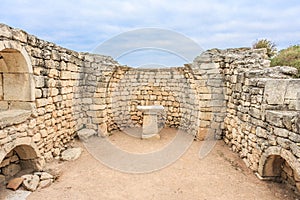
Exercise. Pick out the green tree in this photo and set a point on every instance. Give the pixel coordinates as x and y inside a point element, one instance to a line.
<point>269,45</point>
<point>288,57</point>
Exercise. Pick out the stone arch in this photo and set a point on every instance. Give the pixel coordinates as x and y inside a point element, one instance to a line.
<point>271,161</point>
<point>16,77</point>
<point>26,150</point>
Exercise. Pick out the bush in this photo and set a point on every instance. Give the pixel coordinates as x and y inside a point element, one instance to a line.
<point>264,43</point>
<point>288,57</point>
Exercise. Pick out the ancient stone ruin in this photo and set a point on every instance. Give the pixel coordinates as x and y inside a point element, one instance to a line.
<point>49,93</point>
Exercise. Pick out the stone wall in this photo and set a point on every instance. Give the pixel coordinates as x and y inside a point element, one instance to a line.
<point>38,116</point>
<point>48,93</point>
<point>170,88</point>
<point>262,116</point>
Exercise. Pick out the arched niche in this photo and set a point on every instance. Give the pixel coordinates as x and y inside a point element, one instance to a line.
<point>27,152</point>
<point>270,164</point>
<point>16,78</point>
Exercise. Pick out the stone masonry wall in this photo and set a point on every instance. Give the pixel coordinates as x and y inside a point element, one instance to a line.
<point>63,86</point>
<point>168,87</point>
<point>262,117</point>
<point>48,93</point>
<point>50,122</point>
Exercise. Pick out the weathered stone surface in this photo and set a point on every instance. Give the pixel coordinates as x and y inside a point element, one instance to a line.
<point>13,117</point>
<point>71,154</point>
<point>295,149</point>
<point>281,132</point>
<point>75,90</point>
<point>260,132</point>
<point>275,91</point>
<point>45,183</point>
<point>31,182</point>
<point>2,178</point>
<point>45,176</point>
<point>292,89</point>
<point>274,118</point>
<point>298,102</point>
<point>85,134</point>
<point>11,170</point>
<point>22,92</point>
<point>295,137</point>
<point>5,31</point>
<point>103,130</point>
<point>15,183</point>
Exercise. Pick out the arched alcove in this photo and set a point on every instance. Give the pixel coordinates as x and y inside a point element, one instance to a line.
<point>22,155</point>
<point>280,164</point>
<point>16,78</point>
<point>173,88</point>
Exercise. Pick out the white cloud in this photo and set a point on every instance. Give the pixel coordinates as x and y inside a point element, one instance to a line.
<point>83,24</point>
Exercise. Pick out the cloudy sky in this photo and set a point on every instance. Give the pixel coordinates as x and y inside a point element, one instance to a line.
<point>82,25</point>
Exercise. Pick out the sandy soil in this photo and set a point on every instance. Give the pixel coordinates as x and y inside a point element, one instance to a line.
<point>220,175</point>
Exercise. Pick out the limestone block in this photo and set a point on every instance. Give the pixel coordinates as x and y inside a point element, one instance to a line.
<point>1,87</point>
<point>11,170</point>
<point>75,75</point>
<point>5,31</point>
<point>298,102</point>
<point>281,132</point>
<point>255,112</point>
<point>71,154</point>
<point>260,132</point>
<point>45,183</point>
<point>54,92</point>
<point>18,87</point>
<point>66,75</point>
<point>4,105</point>
<point>14,117</point>
<point>205,96</point>
<point>19,35</point>
<point>275,91</point>
<point>85,134</point>
<point>295,149</point>
<point>21,105</point>
<point>295,137</point>
<point>41,102</point>
<point>72,67</point>
<point>97,107</point>
<point>38,93</point>
<point>288,118</point>
<point>2,178</point>
<point>3,134</point>
<point>292,89</point>
<point>39,81</point>
<point>103,130</point>
<point>5,162</point>
<point>45,176</point>
<point>298,186</point>
<point>285,143</point>
<point>31,182</point>
<point>37,137</point>
<point>48,156</point>
<point>275,118</point>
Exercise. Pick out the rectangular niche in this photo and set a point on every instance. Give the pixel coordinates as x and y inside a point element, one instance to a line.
<point>17,87</point>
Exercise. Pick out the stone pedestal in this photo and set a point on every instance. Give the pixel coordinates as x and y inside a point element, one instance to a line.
<point>150,127</point>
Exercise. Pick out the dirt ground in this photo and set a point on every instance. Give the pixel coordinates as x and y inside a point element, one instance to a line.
<point>220,175</point>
